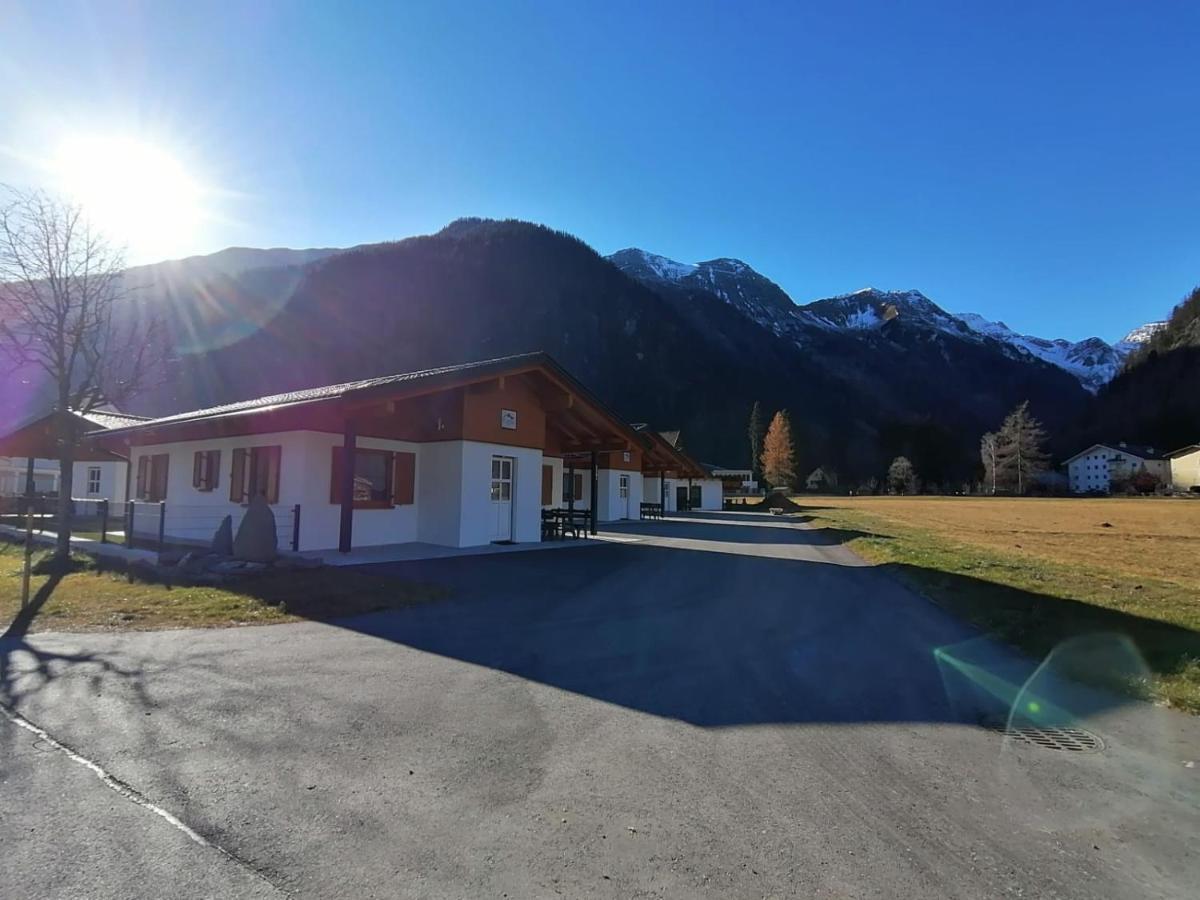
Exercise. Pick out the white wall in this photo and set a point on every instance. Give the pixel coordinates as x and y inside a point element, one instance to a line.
<point>452,492</point>
<point>439,493</point>
<point>584,500</point>
<point>610,506</point>
<point>1185,470</point>
<point>304,473</point>
<point>1095,470</point>
<point>476,506</point>
<point>46,480</point>
<point>711,493</point>
<point>557,480</point>
<point>112,481</point>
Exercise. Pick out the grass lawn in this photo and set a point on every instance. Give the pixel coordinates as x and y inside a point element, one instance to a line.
<point>1037,571</point>
<point>96,600</point>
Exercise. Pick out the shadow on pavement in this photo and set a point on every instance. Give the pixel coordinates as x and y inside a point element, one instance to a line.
<point>724,638</point>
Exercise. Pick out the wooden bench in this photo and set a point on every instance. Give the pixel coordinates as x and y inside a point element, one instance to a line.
<point>652,511</point>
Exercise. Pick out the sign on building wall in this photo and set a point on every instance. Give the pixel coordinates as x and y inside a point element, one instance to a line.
<point>508,419</point>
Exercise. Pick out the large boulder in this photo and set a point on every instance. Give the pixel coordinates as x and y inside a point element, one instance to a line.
<point>256,539</point>
<point>222,542</point>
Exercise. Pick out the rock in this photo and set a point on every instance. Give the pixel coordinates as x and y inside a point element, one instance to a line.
<point>256,539</point>
<point>170,557</point>
<point>222,542</point>
<point>226,566</point>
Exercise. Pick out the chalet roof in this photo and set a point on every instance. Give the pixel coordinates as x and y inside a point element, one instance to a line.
<point>104,419</point>
<point>1182,451</point>
<point>1139,450</point>
<point>423,377</point>
<point>370,390</point>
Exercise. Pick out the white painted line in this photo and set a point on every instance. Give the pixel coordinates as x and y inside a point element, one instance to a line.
<point>120,787</point>
<point>125,790</point>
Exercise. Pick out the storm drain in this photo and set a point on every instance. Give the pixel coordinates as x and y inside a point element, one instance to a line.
<point>1049,737</point>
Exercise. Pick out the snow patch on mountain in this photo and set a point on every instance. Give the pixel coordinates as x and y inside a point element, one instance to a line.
<point>1141,334</point>
<point>1093,361</point>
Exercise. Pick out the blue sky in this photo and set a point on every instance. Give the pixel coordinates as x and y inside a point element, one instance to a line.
<point>1035,162</point>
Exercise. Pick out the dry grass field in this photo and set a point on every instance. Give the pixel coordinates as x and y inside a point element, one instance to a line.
<point>1151,538</point>
<point>1036,571</point>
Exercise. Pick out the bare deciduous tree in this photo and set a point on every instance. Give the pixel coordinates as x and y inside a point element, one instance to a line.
<point>988,446</point>
<point>1020,449</point>
<point>61,288</point>
<point>902,477</point>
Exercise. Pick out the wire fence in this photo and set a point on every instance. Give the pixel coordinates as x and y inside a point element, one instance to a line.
<point>143,524</point>
<point>160,525</point>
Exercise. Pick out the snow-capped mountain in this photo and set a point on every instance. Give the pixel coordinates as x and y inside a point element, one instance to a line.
<point>1140,335</point>
<point>730,279</point>
<point>1092,361</point>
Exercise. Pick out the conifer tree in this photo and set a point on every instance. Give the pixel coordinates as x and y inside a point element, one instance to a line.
<point>778,454</point>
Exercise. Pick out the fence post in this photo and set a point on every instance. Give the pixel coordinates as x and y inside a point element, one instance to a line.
<point>28,556</point>
<point>162,523</point>
<point>104,521</point>
<point>296,528</point>
<point>129,524</point>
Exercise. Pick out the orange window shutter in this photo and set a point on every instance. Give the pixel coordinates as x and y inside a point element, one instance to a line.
<point>142,471</point>
<point>214,470</point>
<point>158,476</point>
<point>547,485</point>
<point>274,456</point>
<point>404,477</point>
<point>335,476</point>
<point>237,478</point>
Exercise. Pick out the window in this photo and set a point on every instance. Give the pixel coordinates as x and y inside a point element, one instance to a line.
<point>93,480</point>
<point>152,477</point>
<point>623,486</point>
<point>502,474</point>
<point>572,489</point>
<point>382,478</point>
<point>206,466</point>
<point>255,473</point>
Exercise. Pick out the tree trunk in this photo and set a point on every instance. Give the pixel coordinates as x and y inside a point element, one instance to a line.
<point>66,478</point>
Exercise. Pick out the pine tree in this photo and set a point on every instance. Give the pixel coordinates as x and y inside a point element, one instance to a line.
<point>1020,449</point>
<point>902,477</point>
<point>778,454</point>
<point>988,445</point>
<point>756,438</point>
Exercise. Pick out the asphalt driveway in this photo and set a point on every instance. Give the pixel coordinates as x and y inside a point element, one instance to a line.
<point>727,706</point>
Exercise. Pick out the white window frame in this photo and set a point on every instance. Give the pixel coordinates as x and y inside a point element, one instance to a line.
<point>93,480</point>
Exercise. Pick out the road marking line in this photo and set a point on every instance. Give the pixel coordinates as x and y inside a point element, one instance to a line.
<point>129,793</point>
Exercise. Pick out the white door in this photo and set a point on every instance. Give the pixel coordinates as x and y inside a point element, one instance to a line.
<point>502,485</point>
<point>623,494</point>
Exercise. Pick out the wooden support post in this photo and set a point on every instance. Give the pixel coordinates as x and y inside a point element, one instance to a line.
<point>296,528</point>
<point>595,503</point>
<point>104,521</point>
<point>162,523</point>
<point>349,447</point>
<point>30,485</point>
<point>571,492</point>
<point>662,493</point>
<point>129,513</point>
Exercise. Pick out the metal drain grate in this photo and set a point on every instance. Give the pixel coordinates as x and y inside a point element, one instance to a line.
<point>1049,737</point>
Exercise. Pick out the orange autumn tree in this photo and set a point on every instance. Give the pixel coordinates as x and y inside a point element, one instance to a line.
<point>778,454</point>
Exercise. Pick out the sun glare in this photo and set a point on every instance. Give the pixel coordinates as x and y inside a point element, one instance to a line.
<point>137,194</point>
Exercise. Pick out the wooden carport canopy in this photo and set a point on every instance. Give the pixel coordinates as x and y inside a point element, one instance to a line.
<point>461,402</point>
<point>662,460</point>
<point>38,439</point>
